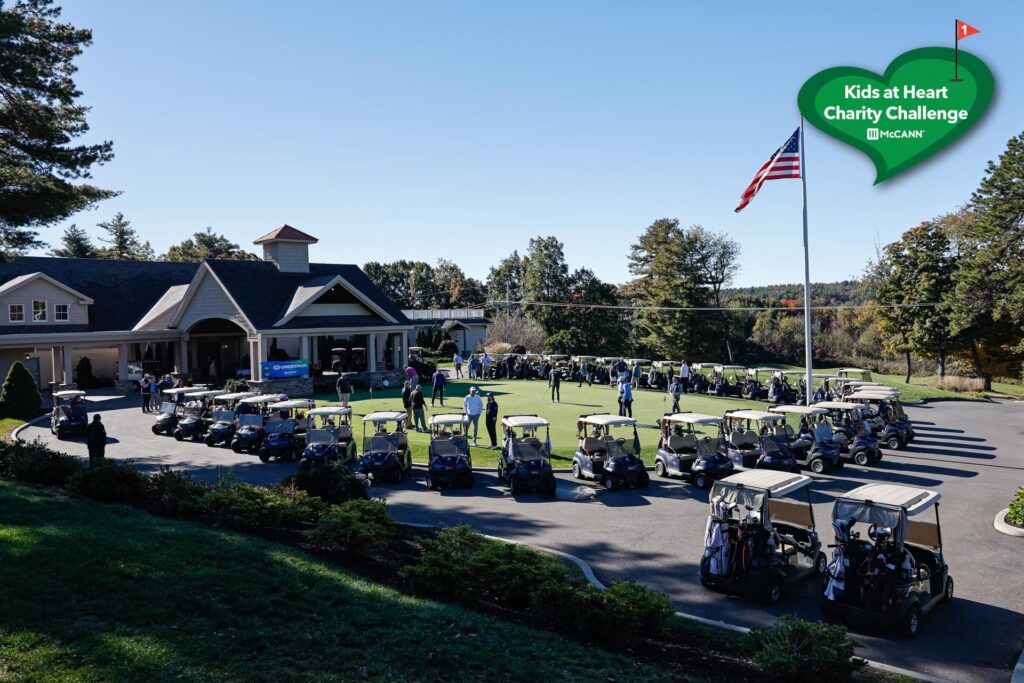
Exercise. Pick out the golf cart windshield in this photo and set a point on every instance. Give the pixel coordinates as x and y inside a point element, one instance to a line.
<point>252,420</point>
<point>280,427</point>
<point>320,436</point>
<point>167,407</point>
<point>380,443</point>
<point>823,433</point>
<point>225,416</point>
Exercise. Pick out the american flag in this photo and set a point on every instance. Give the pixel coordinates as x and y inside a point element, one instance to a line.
<point>784,163</point>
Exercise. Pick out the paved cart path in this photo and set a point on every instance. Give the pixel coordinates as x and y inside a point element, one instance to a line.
<point>968,451</point>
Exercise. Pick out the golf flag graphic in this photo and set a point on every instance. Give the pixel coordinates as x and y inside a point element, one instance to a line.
<point>963,30</point>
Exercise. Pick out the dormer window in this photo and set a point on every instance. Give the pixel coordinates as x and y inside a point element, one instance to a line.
<point>39,311</point>
<point>61,313</point>
<point>16,313</point>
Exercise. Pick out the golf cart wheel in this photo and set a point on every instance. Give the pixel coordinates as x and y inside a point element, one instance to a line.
<point>820,565</point>
<point>609,483</point>
<point>701,481</point>
<point>514,486</point>
<point>818,466</point>
<point>178,436</point>
<point>264,456</point>
<point>910,622</point>
<point>549,486</point>
<point>644,480</point>
<point>53,428</point>
<point>209,440</point>
<point>304,466</point>
<point>659,468</point>
<point>577,473</point>
<point>156,429</point>
<point>398,474</point>
<point>236,446</point>
<point>862,459</point>
<point>501,474</point>
<point>430,483</point>
<point>893,444</point>
<point>773,594</point>
<point>947,595</point>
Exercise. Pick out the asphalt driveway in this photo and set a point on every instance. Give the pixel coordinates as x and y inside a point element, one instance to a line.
<point>968,451</point>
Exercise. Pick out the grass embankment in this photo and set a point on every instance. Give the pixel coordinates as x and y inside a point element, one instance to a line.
<point>97,592</point>
<point>7,427</point>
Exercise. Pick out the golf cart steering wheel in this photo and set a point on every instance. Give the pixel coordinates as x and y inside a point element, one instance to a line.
<point>872,532</point>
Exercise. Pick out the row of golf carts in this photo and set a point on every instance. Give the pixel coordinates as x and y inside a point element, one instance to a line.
<point>761,538</point>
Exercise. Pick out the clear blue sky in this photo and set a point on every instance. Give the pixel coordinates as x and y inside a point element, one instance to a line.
<point>460,129</point>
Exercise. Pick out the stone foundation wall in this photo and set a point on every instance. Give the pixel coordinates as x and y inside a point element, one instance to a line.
<point>294,387</point>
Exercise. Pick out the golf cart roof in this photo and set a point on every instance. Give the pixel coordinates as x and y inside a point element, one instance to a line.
<point>449,419</point>
<point>666,362</point>
<point>68,393</point>
<point>874,395</point>
<point>293,404</point>
<point>730,367</point>
<point>760,369</point>
<point>386,416</point>
<point>584,357</point>
<point>837,405</point>
<point>182,390</point>
<point>524,421</point>
<point>913,499</point>
<point>754,415</point>
<point>693,418</point>
<point>263,398</point>
<point>800,373</point>
<point>641,361</point>
<point>330,410</point>
<point>607,420</point>
<point>799,410</point>
<point>556,356</point>
<point>234,396</point>
<point>205,393</point>
<point>850,382</point>
<point>774,482</point>
<point>851,370</point>
<point>608,359</point>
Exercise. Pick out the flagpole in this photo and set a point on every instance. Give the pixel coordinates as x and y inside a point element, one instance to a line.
<point>808,347</point>
<point>956,50</point>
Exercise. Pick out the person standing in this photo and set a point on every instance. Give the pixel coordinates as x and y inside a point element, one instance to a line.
<point>146,387</point>
<point>457,361</point>
<point>555,382</point>
<point>627,399</point>
<point>407,399</point>
<point>439,383</point>
<point>412,376</point>
<point>474,367</point>
<point>95,440</point>
<point>213,372</point>
<point>418,405</point>
<point>486,363</point>
<point>473,406</point>
<point>491,420</point>
<point>676,390</point>
<point>344,390</point>
<point>684,376</point>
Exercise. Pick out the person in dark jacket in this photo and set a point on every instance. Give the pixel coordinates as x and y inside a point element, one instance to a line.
<point>491,420</point>
<point>555,382</point>
<point>95,439</point>
<point>439,381</point>
<point>407,399</point>
<point>344,390</point>
<point>418,405</point>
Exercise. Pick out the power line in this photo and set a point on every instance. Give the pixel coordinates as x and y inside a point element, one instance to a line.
<point>794,309</point>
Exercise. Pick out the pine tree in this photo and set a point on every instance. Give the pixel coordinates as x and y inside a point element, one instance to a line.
<point>124,241</point>
<point>75,243</point>
<point>205,245</point>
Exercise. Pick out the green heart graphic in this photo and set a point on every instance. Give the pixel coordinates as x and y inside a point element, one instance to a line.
<point>905,115</point>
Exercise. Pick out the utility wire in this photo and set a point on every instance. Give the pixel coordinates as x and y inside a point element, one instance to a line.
<point>794,309</point>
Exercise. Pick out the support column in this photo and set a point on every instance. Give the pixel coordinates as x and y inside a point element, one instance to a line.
<point>255,357</point>
<point>304,347</point>
<point>314,352</point>
<point>371,352</point>
<point>65,355</point>
<point>122,362</point>
<point>55,371</point>
<point>183,368</point>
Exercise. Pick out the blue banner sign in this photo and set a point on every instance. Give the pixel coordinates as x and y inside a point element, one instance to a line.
<point>272,369</point>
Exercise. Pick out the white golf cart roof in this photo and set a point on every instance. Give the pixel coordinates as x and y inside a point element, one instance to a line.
<point>759,415</point>
<point>331,410</point>
<point>556,356</point>
<point>801,373</point>
<point>641,361</point>
<point>666,362</point>
<point>262,398</point>
<point>182,390</point>
<point>760,369</point>
<point>607,420</point>
<point>730,367</point>
<point>386,416</point>
<point>68,393</point>
<point>238,395</point>
<point>449,419</point>
<point>799,410</point>
<point>874,395</point>
<point>837,405</point>
<point>584,357</point>
<point>914,500</point>
<point>774,482</point>
<point>693,418</point>
<point>851,370</point>
<point>847,381</point>
<point>293,404</point>
<point>524,421</point>
<point>205,393</point>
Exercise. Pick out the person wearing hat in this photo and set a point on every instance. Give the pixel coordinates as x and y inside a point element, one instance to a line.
<point>146,387</point>
<point>491,420</point>
<point>95,439</point>
<point>472,406</point>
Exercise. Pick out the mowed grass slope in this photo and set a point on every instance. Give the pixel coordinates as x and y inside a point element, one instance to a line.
<point>96,592</point>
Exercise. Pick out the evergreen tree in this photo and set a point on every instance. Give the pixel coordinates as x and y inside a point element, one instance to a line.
<point>124,242</point>
<point>75,243</point>
<point>40,119</point>
<point>546,279</point>
<point>19,397</point>
<point>208,245</point>
<point>505,281</point>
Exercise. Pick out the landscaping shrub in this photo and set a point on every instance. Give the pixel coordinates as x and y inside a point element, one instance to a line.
<point>20,397</point>
<point>1016,513</point>
<point>447,348</point>
<point>621,613</point>
<point>175,491</point>
<point>259,507</point>
<point>363,527</point>
<point>333,483</point>
<point>34,462</point>
<point>234,386</point>
<point>111,482</point>
<point>794,648</point>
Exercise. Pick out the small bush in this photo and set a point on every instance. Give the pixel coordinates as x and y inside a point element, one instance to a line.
<point>20,396</point>
<point>259,507</point>
<point>34,462</point>
<point>794,648</point>
<point>235,386</point>
<point>363,527</point>
<point>111,482</point>
<point>1016,514</point>
<point>623,612</point>
<point>175,491</point>
<point>332,483</point>
<point>447,348</point>
<point>961,384</point>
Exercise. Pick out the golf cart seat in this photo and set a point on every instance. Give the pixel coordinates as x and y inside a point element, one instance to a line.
<point>344,432</point>
<point>444,446</point>
<point>460,443</point>
<point>592,445</point>
<point>530,449</point>
<point>743,440</point>
<point>677,443</point>
<point>532,442</point>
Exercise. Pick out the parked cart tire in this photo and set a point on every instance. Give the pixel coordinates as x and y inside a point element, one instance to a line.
<point>659,469</point>
<point>862,459</point>
<point>700,480</point>
<point>893,444</point>
<point>773,594</point>
<point>577,473</point>
<point>947,595</point>
<point>910,622</point>
<point>818,466</point>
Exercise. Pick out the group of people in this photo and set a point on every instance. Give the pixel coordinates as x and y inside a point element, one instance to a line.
<point>473,406</point>
<point>152,390</point>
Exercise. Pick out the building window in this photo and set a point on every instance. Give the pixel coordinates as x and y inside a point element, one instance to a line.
<point>39,311</point>
<point>60,312</point>
<point>17,313</point>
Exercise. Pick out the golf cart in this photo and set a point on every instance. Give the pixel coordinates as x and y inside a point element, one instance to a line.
<point>171,410</point>
<point>720,384</point>
<point>279,441</point>
<point>448,460</point>
<point>524,463</point>
<point>814,446</point>
<point>854,373</point>
<point>222,430</point>
<point>322,447</point>
<point>70,414</point>
<point>684,452</point>
<point>753,388</point>
<point>249,433</point>
<point>760,535</point>
<point>291,410</point>
<point>197,417</point>
<point>614,462</point>
<point>756,439</point>
<point>853,431</point>
<point>699,377</point>
<point>386,455</point>
<point>896,575</point>
<point>641,381</point>
<point>338,421</point>
<point>787,387</point>
<point>895,433</point>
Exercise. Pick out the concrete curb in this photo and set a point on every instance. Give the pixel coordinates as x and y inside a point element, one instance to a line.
<point>1008,529</point>
<point>16,434</point>
<point>588,573</point>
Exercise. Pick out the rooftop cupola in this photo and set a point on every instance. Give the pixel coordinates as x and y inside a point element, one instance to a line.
<point>287,248</point>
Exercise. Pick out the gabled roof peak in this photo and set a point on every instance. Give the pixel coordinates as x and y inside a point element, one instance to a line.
<point>286,233</point>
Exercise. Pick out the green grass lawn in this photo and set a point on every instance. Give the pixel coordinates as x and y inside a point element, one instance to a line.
<point>8,425</point>
<point>96,592</point>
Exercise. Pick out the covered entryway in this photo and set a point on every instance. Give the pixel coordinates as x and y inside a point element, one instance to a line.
<point>219,342</point>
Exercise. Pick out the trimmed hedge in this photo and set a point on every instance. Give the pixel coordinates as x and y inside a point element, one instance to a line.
<point>332,483</point>
<point>796,649</point>
<point>33,462</point>
<point>111,482</point>
<point>363,527</point>
<point>245,506</point>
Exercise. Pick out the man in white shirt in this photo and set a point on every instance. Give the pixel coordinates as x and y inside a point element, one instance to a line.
<point>473,406</point>
<point>684,375</point>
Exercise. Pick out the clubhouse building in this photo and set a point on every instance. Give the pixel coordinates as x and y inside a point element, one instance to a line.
<point>261,320</point>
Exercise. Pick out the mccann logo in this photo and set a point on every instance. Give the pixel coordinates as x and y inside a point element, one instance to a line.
<point>876,134</point>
